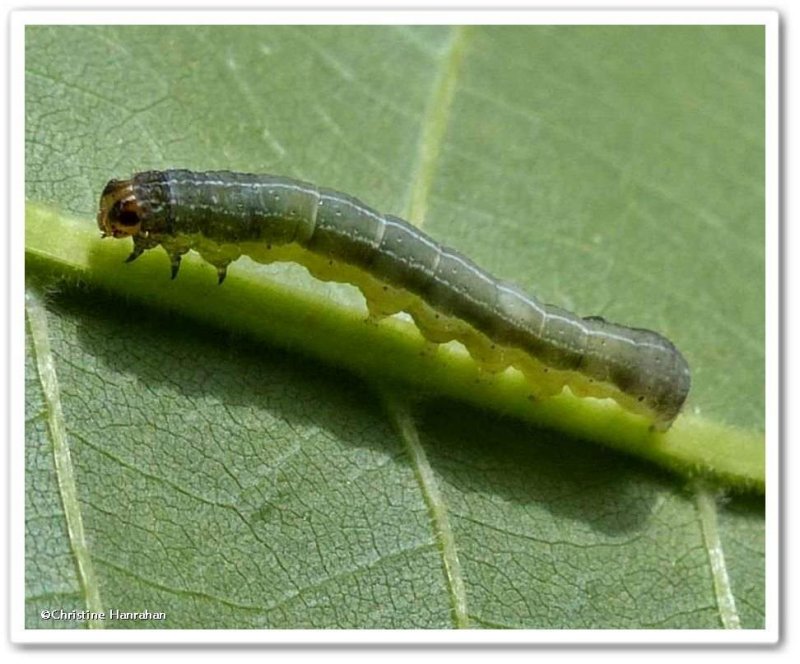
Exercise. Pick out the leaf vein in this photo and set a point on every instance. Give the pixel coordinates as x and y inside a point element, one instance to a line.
<point>434,126</point>
<point>401,417</point>
<point>65,472</point>
<point>726,603</point>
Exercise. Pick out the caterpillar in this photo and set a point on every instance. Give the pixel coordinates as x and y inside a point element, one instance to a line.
<point>223,215</point>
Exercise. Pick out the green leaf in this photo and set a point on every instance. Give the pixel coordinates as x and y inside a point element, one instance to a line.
<point>176,462</point>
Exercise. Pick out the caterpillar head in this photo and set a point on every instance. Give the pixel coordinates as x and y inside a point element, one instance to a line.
<point>120,213</point>
<point>133,207</point>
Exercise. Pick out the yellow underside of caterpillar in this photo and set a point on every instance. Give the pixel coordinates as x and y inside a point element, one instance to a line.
<point>384,300</point>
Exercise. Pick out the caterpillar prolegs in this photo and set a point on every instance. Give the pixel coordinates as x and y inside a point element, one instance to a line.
<point>223,215</point>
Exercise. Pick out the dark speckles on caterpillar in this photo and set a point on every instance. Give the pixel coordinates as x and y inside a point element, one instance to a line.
<point>223,215</point>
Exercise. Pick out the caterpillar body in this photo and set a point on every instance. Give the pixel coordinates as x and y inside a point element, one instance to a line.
<point>223,215</point>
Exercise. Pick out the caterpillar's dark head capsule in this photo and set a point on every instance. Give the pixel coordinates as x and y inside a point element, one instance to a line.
<point>120,213</point>
<point>135,207</point>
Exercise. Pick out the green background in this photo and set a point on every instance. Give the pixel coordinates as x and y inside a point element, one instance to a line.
<point>610,170</point>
